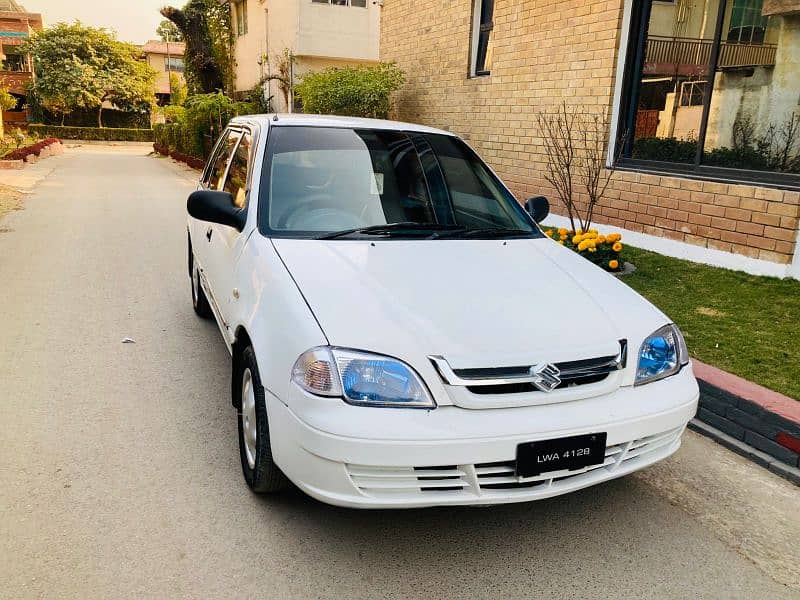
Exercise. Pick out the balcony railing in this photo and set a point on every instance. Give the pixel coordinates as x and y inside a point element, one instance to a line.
<point>690,56</point>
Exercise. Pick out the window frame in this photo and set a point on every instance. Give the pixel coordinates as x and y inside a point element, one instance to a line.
<point>241,17</point>
<point>243,131</point>
<point>348,3</point>
<point>626,98</point>
<point>479,26</point>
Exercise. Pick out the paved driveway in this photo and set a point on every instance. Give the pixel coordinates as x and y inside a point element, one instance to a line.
<point>119,472</point>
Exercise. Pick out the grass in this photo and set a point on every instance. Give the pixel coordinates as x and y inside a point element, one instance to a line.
<point>10,199</point>
<point>741,323</point>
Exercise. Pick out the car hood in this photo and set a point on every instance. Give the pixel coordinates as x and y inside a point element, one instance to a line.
<point>477,303</point>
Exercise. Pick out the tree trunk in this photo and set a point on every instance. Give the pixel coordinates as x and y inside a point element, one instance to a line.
<point>63,117</point>
<point>100,117</point>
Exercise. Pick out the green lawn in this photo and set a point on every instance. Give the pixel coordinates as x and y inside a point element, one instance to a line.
<point>741,323</point>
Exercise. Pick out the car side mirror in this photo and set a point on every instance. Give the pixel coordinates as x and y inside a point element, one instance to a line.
<point>538,208</point>
<point>216,207</point>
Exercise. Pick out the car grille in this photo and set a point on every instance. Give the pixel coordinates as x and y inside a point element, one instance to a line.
<point>481,478</point>
<point>515,380</point>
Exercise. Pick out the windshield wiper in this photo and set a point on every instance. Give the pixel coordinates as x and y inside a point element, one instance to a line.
<point>482,232</point>
<point>393,229</point>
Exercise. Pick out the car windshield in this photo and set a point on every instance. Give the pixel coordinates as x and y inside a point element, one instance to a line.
<point>342,182</point>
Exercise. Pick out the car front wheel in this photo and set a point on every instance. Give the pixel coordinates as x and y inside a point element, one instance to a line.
<point>199,300</point>
<point>258,467</point>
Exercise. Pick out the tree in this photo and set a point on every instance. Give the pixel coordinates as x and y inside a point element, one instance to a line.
<point>7,102</point>
<point>351,91</point>
<point>574,142</point>
<point>206,29</point>
<point>177,90</point>
<point>168,32</point>
<point>84,67</point>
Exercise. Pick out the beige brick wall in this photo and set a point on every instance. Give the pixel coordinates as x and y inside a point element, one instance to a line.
<point>547,52</point>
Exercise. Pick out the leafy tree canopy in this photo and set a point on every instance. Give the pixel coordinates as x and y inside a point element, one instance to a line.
<point>83,67</point>
<point>206,29</point>
<point>168,32</point>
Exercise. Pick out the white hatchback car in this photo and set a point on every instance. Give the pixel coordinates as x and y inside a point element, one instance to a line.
<point>404,335</point>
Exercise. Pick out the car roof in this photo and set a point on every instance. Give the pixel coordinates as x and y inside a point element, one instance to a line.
<point>288,120</point>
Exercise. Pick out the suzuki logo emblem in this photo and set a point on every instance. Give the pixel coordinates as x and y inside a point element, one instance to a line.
<point>545,376</point>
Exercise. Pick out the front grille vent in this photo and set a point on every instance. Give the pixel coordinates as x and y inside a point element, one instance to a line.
<point>483,478</point>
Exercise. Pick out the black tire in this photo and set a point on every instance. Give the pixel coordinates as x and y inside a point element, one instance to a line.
<point>199,301</point>
<point>264,476</point>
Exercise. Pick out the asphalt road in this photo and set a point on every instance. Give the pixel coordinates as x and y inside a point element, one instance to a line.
<point>119,467</point>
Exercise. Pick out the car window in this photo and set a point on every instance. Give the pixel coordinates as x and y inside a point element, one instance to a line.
<point>318,180</point>
<point>236,181</point>
<point>221,161</point>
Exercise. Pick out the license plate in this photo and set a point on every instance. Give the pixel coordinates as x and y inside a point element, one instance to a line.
<point>569,453</point>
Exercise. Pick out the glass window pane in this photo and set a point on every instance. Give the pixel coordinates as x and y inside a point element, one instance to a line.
<point>677,53</point>
<point>221,161</point>
<point>754,118</point>
<point>236,182</point>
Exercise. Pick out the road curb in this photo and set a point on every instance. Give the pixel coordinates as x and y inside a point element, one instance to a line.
<point>763,459</point>
<point>749,413</point>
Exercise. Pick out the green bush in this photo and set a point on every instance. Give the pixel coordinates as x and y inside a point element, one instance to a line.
<point>351,91</point>
<point>106,134</point>
<point>665,149</point>
<point>194,130</point>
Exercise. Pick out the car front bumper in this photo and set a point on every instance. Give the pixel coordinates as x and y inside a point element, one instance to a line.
<point>384,458</point>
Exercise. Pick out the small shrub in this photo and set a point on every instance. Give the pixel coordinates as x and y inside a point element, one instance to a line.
<point>665,149</point>
<point>35,149</point>
<point>351,91</point>
<point>603,250</point>
<point>93,133</point>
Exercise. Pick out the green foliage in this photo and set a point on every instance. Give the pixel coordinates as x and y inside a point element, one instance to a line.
<point>665,149</point>
<point>194,130</point>
<point>351,91</point>
<point>206,29</point>
<point>83,67</point>
<point>742,323</point>
<point>7,101</point>
<point>167,32</point>
<point>87,117</point>
<point>92,133</point>
<point>178,90</point>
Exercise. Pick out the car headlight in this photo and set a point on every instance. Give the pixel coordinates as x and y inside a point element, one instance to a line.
<point>361,378</point>
<point>661,355</point>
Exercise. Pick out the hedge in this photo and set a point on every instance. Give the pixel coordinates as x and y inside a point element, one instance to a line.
<point>36,149</point>
<point>92,133</point>
<point>192,161</point>
<point>88,118</point>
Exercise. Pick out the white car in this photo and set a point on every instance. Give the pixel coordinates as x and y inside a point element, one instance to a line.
<point>404,335</point>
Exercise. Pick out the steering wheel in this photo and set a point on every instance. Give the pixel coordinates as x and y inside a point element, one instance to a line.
<point>303,205</point>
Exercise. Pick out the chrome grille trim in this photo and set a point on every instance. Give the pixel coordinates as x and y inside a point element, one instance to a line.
<point>571,370</point>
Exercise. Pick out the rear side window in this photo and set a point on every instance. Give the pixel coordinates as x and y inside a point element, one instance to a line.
<point>236,182</point>
<point>224,151</point>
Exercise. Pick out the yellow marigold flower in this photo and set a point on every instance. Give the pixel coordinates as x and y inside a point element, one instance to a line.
<point>617,247</point>
<point>549,233</point>
<point>591,243</point>
<point>577,240</point>
<point>594,231</point>
<point>592,249</point>
<point>563,236</point>
<point>601,239</point>
<point>563,231</point>
<point>583,245</point>
<point>613,264</point>
<point>578,231</point>
<point>561,242</point>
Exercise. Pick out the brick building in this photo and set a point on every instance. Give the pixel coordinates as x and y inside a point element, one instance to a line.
<point>709,91</point>
<point>16,24</point>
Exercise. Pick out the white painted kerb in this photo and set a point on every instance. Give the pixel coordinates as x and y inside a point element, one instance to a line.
<point>690,252</point>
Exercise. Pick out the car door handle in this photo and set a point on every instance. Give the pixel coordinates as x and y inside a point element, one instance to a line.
<point>208,233</point>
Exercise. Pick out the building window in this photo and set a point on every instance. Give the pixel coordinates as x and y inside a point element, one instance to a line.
<point>14,62</point>
<point>241,17</point>
<point>712,88</point>
<point>173,64</point>
<point>358,3</point>
<point>481,47</point>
